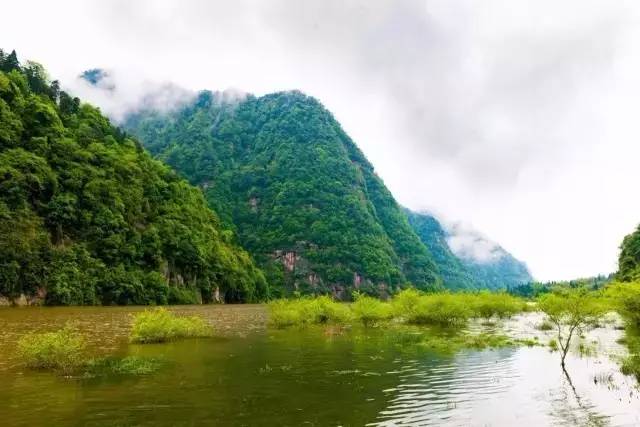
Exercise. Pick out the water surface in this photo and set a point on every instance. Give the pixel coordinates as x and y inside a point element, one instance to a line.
<point>319,376</point>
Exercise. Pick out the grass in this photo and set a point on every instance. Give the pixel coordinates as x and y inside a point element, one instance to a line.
<point>307,310</point>
<point>371,311</point>
<point>545,325</point>
<point>160,325</point>
<point>130,365</point>
<point>62,351</point>
<point>409,306</point>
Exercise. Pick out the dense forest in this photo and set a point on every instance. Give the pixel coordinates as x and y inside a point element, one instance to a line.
<point>87,217</point>
<point>466,273</point>
<point>303,199</point>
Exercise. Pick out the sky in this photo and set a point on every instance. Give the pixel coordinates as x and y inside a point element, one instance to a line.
<point>516,118</point>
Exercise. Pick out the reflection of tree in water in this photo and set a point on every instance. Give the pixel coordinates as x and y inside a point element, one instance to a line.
<point>570,409</point>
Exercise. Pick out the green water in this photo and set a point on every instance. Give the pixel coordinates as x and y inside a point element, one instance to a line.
<point>321,376</point>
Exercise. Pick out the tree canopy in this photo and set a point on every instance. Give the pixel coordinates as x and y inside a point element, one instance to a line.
<point>88,217</point>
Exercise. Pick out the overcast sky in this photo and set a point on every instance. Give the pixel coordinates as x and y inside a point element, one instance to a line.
<point>520,118</point>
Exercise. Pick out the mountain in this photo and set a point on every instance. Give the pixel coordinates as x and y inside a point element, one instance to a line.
<point>466,259</point>
<point>88,217</point>
<point>301,196</point>
<point>629,258</point>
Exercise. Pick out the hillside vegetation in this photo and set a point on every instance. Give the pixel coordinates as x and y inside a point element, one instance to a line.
<point>87,217</point>
<point>303,199</point>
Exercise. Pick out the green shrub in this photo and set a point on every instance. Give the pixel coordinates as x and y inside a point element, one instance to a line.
<point>184,296</point>
<point>442,309</point>
<point>308,310</point>
<point>62,351</point>
<point>161,325</point>
<point>370,310</point>
<point>489,304</point>
<point>404,303</point>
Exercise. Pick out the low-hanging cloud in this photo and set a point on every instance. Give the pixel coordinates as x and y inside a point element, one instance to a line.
<point>518,117</point>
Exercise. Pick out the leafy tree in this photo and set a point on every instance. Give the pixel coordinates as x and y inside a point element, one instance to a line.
<point>87,217</point>
<point>571,311</point>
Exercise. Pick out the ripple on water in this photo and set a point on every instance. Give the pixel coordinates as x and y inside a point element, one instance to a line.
<point>430,393</point>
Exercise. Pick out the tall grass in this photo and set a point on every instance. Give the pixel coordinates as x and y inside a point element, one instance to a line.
<point>161,325</point>
<point>307,310</point>
<point>409,306</point>
<point>62,350</point>
<point>370,311</point>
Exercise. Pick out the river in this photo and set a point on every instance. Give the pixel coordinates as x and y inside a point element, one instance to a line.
<point>252,375</point>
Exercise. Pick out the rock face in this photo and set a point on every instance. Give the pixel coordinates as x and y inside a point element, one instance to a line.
<point>302,198</point>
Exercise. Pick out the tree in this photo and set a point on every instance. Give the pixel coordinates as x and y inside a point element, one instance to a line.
<point>10,62</point>
<point>570,311</point>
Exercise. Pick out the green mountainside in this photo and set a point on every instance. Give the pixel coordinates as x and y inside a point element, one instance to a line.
<point>87,217</point>
<point>629,259</point>
<point>300,195</point>
<point>460,272</point>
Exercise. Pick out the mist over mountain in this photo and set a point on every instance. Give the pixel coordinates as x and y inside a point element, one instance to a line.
<point>466,259</point>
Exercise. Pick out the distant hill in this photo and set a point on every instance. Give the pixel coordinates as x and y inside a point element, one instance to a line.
<point>468,260</point>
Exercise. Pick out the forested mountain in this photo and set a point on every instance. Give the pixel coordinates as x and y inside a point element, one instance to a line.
<point>462,271</point>
<point>87,217</point>
<point>629,259</point>
<point>303,199</point>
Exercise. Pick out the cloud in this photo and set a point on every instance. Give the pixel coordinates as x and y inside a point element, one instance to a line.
<point>518,117</point>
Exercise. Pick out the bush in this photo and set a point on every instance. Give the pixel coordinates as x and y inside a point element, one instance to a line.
<point>370,310</point>
<point>442,309</point>
<point>323,309</point>
<point>489,304</point>
<point>160,325</point>
<point>62,350</point>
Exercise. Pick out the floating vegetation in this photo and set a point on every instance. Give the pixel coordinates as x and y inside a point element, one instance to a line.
<point>161,325</point>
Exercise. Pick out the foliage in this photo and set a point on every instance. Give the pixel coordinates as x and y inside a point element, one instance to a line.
<point>408,306</point>
<point>306,310</point>
<point>571,311</point>
<point>460,273</point>
<point>369,310</point>
<point>160,325</point>
<point>629,258</point>
<point>303,199</point>
<point>87,217</point>
<point>453,343</point>
<point>61,351</point>
<point>129,365</point>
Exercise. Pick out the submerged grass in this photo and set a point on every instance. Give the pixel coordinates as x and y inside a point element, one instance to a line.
<point>130,365</point>
<point>160,325</point>
<point>62,351</point>
<point>457,342</point>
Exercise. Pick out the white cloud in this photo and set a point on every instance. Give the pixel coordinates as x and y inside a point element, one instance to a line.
<point>517,117</point>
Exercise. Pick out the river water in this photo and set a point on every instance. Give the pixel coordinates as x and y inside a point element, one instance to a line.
<point>252,375</point>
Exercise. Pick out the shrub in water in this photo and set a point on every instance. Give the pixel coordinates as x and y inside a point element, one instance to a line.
<point>489,304</point>
<point>160,325</point>
<point>62,350</point>
<point>370,310</point>
<point>441,309</point>
<point>308,310</point>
